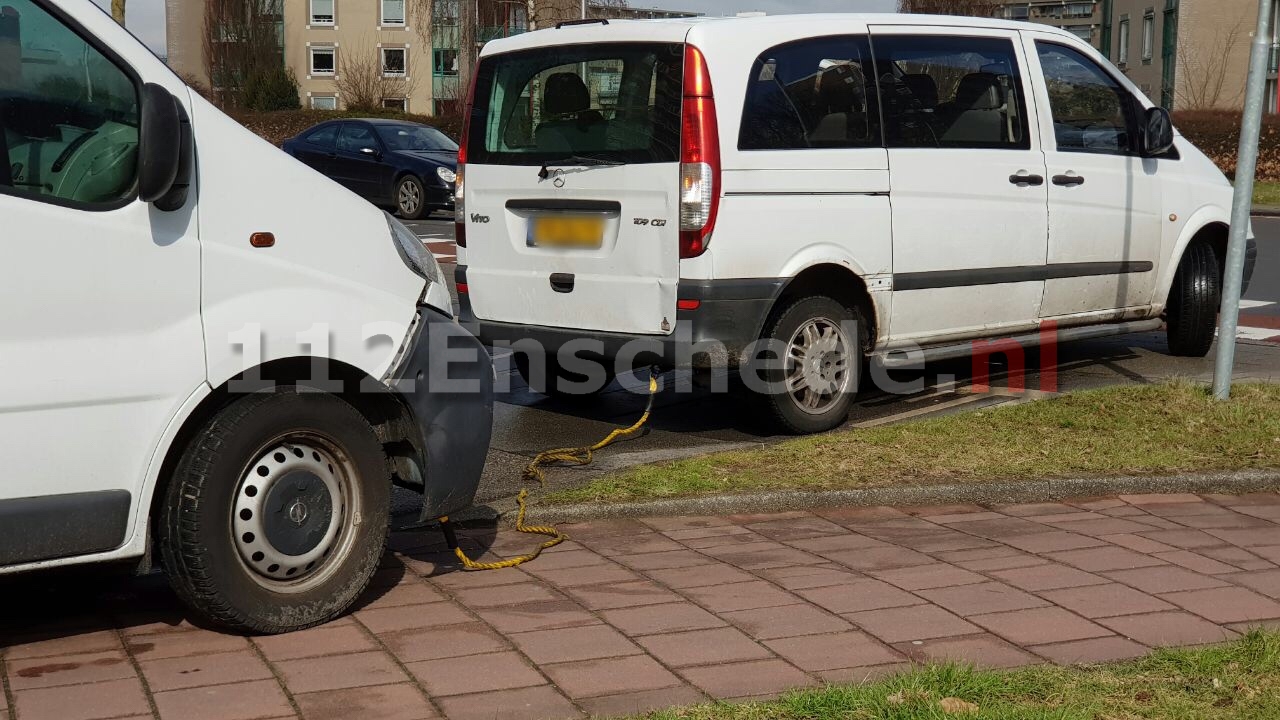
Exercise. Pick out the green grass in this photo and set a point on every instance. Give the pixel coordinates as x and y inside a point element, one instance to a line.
<point>1236,680</point>
<point>1266,193</point>
<point>1136,430</point>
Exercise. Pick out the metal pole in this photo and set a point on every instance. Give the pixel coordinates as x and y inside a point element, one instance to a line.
<point>584,9</point>
<point>1246,167</point>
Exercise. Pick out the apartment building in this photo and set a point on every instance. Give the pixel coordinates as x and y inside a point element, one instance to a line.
<point>1184,54</point>
<point>385,48</point>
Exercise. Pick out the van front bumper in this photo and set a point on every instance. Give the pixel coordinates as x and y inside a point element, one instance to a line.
<point>445,380</point>
<point>730,316</point>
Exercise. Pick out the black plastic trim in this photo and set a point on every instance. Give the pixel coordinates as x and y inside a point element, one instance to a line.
<point>566,205</point>
<point>446,381</point>
<point>1023,273</point>
<point>59,526</point>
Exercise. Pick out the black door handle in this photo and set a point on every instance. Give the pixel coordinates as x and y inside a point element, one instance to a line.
<point>1023,179</point>
<point>1067,180</point>
<point>562,282</point>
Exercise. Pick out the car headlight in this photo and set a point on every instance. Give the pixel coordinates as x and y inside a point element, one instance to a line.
<point>446,174</point>
<point>415,255</point>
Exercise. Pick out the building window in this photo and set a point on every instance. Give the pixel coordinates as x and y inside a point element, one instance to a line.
<point>324,60</point>
<point>1017,12</point>
<point>1122,53</point>
<point>393,12</point>
<point>401,104</point>
<point>324,102</point>
<point>395,62</point>
<point>322,12</point>
<point>1084,32</point>
<point>445,61</point>
<point>1148,36</point>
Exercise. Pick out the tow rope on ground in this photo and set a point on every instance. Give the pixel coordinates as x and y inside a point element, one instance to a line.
<point>534,472</point>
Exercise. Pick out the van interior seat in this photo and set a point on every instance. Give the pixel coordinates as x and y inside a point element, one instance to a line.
<point>977,113</point>
<point>842,98</point>
<point>574,126</point>
<point>924,88</point>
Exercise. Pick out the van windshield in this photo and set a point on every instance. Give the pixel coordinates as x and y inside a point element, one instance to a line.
<point>617,102</point>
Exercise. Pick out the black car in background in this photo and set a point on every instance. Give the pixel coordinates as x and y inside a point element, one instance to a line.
<point>389,162</point>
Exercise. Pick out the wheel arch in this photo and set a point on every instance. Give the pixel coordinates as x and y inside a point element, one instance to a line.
<point>1209,226</point>
<point>389,417</point>
<point>836,281</point>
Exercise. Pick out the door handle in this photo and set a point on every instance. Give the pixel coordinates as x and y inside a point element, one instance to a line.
<point>1067,180</point>
<point>1023,179</point>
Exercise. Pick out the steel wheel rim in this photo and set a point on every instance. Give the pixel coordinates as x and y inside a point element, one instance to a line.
<point>266,505</point>
<point>818,364</point>
<point>409,197</point>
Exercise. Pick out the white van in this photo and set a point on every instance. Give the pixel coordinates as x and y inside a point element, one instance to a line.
<point>209,351</point>
<point>847,186</point>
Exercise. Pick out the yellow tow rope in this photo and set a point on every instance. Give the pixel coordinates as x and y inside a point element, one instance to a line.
<point>535,473</point>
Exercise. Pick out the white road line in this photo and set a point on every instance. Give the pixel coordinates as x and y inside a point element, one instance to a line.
<point>1251,304</point>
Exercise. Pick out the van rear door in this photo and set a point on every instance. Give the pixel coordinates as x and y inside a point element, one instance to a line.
<point>572,198</point>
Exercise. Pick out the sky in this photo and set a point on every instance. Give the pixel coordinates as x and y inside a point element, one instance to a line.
<point>146,17</point>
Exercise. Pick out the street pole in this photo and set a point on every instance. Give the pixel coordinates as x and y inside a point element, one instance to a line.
<point>584,9</point>
<point>1246,167</point>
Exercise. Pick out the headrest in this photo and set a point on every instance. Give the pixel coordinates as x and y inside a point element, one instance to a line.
<point>565,94</point>
<point>979,91</point>
<point>840,88</point>
<point>923,87</point>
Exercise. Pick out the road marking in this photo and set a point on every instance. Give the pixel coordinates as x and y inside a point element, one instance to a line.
<point>1251,304</point>
<point>965,400</point>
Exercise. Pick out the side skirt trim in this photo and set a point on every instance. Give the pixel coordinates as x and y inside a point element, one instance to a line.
<point>59,526</point>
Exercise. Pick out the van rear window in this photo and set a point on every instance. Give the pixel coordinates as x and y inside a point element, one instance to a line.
<point>616,102</point>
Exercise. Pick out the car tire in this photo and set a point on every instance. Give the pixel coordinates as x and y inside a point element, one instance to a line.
<point>276,516</point>
<point>822,324</point>
<point>1191,315</point>
<point>556,381</point>
<point>411,198</point>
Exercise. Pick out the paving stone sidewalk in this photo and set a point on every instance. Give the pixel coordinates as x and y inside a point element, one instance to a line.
<point>636,615</point>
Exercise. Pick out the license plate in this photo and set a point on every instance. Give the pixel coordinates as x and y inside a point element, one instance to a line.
<point>566,231</point>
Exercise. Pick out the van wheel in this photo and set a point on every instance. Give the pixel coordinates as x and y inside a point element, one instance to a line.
<point>276,517</point>
<point>558,382</point>
<point>814,390</point>
<point>411,198</point>
<point>1191,315</point>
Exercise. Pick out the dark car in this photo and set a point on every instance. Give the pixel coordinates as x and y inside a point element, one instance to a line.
<point>388,162</point>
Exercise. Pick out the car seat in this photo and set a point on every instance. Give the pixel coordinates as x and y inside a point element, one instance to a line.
<point>572,126</point>
<point>976,116</point>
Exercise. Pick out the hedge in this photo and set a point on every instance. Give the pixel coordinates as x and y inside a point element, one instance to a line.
<point>1216,132</point>
<point>276,127</point>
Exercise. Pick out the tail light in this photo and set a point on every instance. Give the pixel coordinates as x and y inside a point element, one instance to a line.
<point>699,157</point>
<point>459,190</point>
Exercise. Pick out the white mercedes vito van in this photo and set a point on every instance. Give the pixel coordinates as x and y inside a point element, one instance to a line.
<point>209,351</point>
<point>842,186</point>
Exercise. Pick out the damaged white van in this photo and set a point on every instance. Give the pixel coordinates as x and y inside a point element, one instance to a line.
<point>845,186</point>
<point>211,354</point>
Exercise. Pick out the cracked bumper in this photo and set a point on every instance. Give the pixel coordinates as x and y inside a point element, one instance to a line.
<point>446,381</point>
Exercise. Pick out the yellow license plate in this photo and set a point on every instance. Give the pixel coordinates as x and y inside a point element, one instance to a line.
<point>566,231</point>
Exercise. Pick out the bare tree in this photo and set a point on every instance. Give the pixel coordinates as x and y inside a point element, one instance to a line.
<point>363,82</point>
<point>243,55</point>
<point>973,8</point>
<point>117,10</point>
<point>1203,64</point>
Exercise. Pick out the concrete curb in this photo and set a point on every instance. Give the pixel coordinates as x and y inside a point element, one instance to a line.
<point>1265,211</point>
<point>999,493</point>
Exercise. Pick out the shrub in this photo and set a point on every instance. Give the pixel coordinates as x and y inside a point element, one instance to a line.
<point>1217,133</point>
<point>276,127</point>
<point>270,90</point>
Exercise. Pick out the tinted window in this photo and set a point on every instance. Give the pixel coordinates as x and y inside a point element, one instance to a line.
<point>413,137</point>
<point>356,137</point>
<point>324,136</point>
<point>816,93</point>
<point>614,101</point>
<point>68,114</point>
<point>951,92</point>
<point>1091,111</point>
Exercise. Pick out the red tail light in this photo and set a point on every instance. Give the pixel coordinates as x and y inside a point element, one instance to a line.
<point>459,191</point>
<point>699,157</point>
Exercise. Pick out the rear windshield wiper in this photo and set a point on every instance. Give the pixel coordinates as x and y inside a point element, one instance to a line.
<point>573,160</point>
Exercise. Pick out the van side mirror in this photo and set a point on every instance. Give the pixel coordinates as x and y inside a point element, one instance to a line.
<point>165,149</point>
<point>1157,132</point>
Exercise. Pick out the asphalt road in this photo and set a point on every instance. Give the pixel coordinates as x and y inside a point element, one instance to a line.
<point>697,422</point>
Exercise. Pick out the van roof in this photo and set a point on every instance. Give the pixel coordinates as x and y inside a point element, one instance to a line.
<point>710,28</point>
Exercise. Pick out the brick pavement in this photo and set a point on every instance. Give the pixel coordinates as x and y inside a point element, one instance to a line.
<point>639,614</point>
